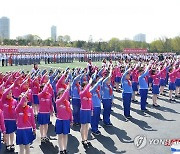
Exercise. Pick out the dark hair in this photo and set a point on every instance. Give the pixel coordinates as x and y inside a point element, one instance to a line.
<point>83,84</point>
<point>140,70</point>
<point>170,69</point>
<point>41,87</point>
<point>153,71</point>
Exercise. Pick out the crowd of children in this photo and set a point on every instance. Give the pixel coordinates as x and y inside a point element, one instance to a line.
<point>27,98</point>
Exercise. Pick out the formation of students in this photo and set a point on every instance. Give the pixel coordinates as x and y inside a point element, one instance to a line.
<point>27,98</point>
<point>29,58</point>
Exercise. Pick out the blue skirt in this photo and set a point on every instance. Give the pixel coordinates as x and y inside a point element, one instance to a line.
<point>85,116</point>
<point>172,86</point>
<point>162,82</point>
<point>177,82</point>
<point>24,136</point>
<point>135,86</point>
<point>62,127</point>
<point>10,126</point>
<point>29,103</point>
<point>43,118</point>
<point>155,89</point>
<point>35,99</point>
<point>118,79</point>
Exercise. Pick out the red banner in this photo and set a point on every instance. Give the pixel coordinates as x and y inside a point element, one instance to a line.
<point>135,50</point>
<point>8,50</point>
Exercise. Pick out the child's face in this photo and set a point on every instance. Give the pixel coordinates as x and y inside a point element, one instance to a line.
<point>128,76</point>
<point>9,95</point>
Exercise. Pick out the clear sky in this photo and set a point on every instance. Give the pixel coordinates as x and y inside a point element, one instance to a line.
<point>103,19</point>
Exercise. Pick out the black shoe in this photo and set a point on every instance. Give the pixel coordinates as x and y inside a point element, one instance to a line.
<point>12,148</point>
<point>96,133</point>
<point>65,152</point>
<point>156,105</point>
<point>89,143</point>
<point>164,94</point>
<point>61,152</point>
<point>85,145</point>
<point>8,148</point>
<point>46,139</point>
<point>145,110</point>
<point>110,124</point>
<point>76,124</point>
<point>128,117</point>
<point>43,140</point>
<point>135,101</point>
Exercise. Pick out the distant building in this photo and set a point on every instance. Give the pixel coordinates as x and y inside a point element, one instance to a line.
<point>4,28</point>
<point>140,37</point>
<point>53,33</point>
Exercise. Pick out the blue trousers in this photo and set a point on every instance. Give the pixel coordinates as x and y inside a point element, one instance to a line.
<point>107,103</point>
<point>126,103</point>
<point>95,119</point>
<point>76,110</point>
<point>143,94</point>
<point>54,103</point>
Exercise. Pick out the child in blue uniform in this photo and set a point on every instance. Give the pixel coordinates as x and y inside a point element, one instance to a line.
<point>127,93</point>
<point>75,91</point>
<point>143,87</point>
<point>107,96</point>
<point>96,100</point>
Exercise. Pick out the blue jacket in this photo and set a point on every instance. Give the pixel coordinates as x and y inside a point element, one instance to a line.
<point>125,86</point>
<point>74,89</point>
<point>142,82</point>
<point>105,90</point>
<point>95,99</point>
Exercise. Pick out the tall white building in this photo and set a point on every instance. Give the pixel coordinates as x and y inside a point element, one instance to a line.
<point>140,37</point>
<point>53,33</point>
<point>4,28</point>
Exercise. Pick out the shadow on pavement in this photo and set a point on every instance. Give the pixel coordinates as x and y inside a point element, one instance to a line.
<point>49,148</point>
<point>118,106</point>
<point>166,109</point>
<point>139,112</point>
<point>51,132</point>
<point>121,134</point>
<point>118,98</point>
<point>157,116</point>
<point>118,116</point>
<point>142,124</point>
<point>107,143</point>
<point>73,144</point>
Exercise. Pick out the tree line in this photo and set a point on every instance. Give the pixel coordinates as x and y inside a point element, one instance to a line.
<point>163,44</point>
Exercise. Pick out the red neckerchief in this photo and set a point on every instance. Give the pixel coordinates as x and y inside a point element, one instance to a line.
<point>62,85</point>
<point>88,95</point>
<point>84,78</point>
<point>66,103</point>
<point>25,117</point>
<point>146,78</point>
<point>110,89</point>
<point>78,87</point>
<point>129,82</point>
<point>98,92</point>
<point>10,104</point>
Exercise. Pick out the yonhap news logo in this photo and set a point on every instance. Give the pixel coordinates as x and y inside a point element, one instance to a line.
<point>140,141</point>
